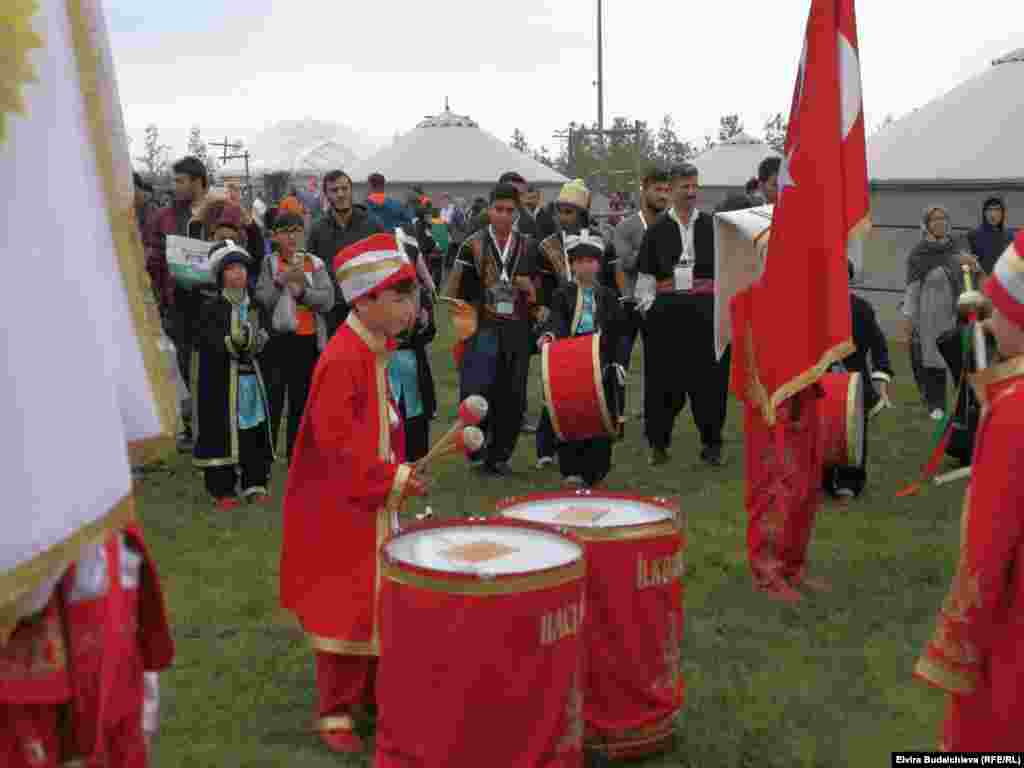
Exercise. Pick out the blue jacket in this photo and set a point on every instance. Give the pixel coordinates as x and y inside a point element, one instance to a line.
<point>391,214</point>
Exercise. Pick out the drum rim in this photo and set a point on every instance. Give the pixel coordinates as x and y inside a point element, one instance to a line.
<point>454,583</point>
<point>855,420</point>
<point>674,525</point>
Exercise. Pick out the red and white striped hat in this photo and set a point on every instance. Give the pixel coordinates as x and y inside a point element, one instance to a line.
<point>371,265</point>
<point>1006,286</point>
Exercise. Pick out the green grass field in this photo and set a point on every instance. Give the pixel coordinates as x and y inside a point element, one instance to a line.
<point>827,683</point>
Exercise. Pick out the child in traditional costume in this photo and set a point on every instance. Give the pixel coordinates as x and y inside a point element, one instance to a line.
<point>409,374</point>
<point>232,424</point>
<point>346,483</point>
<point>79,673</point>
<point>871,360</point>
<point>975,651</point>
<point>581,308</point>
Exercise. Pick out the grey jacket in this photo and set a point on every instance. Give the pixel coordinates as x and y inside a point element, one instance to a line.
<point>629,235</point>
<point>319,295</point>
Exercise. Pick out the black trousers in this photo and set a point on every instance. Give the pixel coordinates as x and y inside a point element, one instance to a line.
<point>253,465</point>
<point>417,437</point>
<point>680,364</point>
<point>496,365</point>
<point>547,440</point>
<point>590,459</point>
<point>287,364</point>
<point>931,382</point>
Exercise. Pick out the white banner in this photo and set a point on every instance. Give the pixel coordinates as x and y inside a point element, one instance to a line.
<point>189,260</point>
<point>741,240</point>
<point>76,389</point>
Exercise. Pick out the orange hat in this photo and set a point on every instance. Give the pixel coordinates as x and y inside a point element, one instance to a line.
<point>371,265</point>
<point>291,205</point>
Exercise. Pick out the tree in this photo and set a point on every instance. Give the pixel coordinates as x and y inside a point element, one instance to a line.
<point>154,154</point>
<point>668,150</point>
<point>197,148</point>
<point>729,126</point>
<point>775,133</point>
<point>543,156</point>
<point>519,142</point>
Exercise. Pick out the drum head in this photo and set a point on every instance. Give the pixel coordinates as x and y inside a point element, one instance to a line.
<point>494,550</point>
<point>588,510</point>
<point>855,420</point>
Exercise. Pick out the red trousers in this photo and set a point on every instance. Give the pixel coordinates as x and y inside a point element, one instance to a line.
<point>28,736</point>
<point>783,487</point>
<point>345,684</point>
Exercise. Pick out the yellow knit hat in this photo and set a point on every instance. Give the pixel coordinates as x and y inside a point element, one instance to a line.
<point>575,193</point>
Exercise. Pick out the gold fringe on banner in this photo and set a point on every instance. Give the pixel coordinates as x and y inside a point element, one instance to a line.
<point>127,242</point>
<point>19,582</point>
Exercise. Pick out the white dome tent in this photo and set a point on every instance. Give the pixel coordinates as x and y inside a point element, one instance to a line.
<point>954,151</point>
<point>726,168</point>
<point>451,153</point>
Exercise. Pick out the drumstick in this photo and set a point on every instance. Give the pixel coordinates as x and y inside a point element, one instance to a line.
<point>467,441</point>
<point>472,411</point>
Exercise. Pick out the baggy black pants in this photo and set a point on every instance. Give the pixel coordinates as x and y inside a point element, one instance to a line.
<point>496,364</point>
<point>590,459</point>
<point>287,364</point>
<point>680,364</point>
<point>253,463</point>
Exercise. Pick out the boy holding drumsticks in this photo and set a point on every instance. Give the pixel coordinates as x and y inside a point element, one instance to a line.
<point>347,478</point>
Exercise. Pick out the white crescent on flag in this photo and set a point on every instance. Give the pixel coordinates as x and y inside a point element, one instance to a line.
<point>84,375</point>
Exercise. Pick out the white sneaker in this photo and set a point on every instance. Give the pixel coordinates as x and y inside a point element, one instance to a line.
<point>545,461</point>
<point>937,415</point>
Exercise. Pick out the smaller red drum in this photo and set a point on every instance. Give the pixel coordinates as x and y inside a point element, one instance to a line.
<point>481,648</point>
<point>634,628</point>
<point>580,389</point>
<point>842,419</point>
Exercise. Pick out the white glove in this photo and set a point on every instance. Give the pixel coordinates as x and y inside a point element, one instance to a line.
<point>620,374</point>
<point>646,291</point>
<point>151,703</point>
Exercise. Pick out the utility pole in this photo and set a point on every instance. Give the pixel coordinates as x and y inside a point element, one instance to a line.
<point>600,73</point>
<point>226,145</point>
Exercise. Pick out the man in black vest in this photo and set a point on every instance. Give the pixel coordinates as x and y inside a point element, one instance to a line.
<point>675,290</point>
<point>495,272</point>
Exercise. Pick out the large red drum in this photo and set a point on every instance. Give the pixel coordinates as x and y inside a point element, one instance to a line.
<point>634,628</point>
<point>481,648</point>
<point>580,390</point>
<point>842,418</point>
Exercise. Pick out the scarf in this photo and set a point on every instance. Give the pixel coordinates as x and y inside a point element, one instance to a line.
<point>927,255</point>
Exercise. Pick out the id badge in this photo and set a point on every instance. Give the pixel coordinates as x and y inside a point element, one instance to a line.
<point>684,277</point>
<point>505,300</point>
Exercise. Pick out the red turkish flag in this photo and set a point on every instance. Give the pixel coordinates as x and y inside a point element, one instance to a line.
<point>795,320</point>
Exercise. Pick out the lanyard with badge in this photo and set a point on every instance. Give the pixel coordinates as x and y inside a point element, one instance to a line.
<point>504,292</point>
<point>683,272</point>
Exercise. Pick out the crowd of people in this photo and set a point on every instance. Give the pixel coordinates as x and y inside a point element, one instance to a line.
<point>334,314</point>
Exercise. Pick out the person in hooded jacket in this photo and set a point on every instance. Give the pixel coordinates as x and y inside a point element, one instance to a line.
<point>992,237</point>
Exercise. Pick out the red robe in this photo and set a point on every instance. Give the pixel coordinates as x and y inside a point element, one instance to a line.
<point>57,659</point>
<point>975,651</point>
<point>783,467</point>
<point>345,480</point>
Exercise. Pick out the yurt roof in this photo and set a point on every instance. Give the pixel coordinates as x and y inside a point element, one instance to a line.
<point>452,149</point>
<point>970,134</point>
<point>291,145</point>
<point>733,162</point>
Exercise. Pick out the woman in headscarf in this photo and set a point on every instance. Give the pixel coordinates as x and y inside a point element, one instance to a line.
<point>934,281</point>
<point>990,239</point>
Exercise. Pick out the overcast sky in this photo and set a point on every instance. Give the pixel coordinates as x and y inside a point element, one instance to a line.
<point>235,66</point>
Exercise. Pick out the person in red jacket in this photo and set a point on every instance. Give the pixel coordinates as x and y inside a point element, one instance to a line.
<point>974,653</point>
<point>346,483</point>
<point>70,688</point>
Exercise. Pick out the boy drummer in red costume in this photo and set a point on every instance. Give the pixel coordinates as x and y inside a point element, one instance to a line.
<point>975,651</point>
<point>346,482</point>
<point>69,688</point>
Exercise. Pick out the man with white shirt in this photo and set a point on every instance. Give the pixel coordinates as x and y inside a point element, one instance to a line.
<point>675,291</point>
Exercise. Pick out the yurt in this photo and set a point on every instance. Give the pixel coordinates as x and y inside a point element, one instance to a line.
<point>726,168</point>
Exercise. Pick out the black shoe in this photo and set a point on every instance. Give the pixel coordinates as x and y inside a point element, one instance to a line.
<point>528,428</point>
<point>501,468</point>
<point>185,443</point>
<point>712,454</point>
